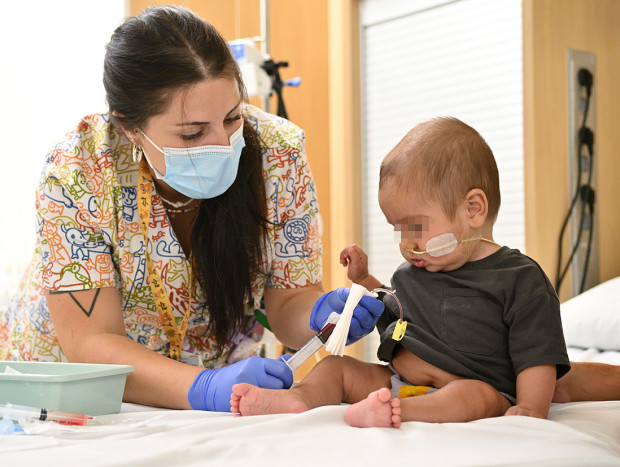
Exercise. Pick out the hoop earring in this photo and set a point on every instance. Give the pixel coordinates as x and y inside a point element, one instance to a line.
<point>137,153</point>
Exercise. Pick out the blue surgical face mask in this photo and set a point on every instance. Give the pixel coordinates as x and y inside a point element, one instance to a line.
<point>204,171</point>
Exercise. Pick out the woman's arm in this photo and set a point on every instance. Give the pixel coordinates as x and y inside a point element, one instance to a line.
<point>288,312</point>
<point>90,328</point>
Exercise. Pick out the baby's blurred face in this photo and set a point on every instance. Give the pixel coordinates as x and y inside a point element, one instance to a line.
<point>416,221</point>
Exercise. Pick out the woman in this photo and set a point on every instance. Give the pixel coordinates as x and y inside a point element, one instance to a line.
<point>165,223</point>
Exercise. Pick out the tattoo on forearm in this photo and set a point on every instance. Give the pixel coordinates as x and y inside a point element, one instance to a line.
<point>86,312</point>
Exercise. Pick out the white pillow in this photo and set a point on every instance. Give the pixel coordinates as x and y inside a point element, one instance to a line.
<point>592,319</point>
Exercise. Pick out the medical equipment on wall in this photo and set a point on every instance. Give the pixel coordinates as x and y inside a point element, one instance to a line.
<point>261,75</point>
<point>581,208</point>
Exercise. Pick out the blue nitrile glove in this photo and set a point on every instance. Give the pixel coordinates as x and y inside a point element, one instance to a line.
<point>211,389</point>
<point>365,314</point>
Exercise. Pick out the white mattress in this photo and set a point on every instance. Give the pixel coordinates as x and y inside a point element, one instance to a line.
<point>576,434</point>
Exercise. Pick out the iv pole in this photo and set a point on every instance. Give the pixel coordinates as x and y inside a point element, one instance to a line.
<point>265,44</point>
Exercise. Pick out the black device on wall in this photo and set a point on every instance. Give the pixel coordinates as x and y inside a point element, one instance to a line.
<point>584,196</point>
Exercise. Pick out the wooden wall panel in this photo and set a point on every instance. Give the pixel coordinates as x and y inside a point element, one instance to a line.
<point>550,28</point>
<point>299,36</point>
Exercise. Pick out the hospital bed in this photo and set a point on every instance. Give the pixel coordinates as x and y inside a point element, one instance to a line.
<point>575,434</point>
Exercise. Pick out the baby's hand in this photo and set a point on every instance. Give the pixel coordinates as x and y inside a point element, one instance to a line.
<point>524,411</point>
<point>356,262</point>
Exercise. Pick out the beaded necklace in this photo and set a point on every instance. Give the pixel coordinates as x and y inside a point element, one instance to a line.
<point>172,212</point>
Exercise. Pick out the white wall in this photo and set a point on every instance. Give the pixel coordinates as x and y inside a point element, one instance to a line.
<point>51,58</point>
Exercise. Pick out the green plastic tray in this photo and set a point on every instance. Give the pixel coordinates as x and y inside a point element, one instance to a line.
<point>91,389</point>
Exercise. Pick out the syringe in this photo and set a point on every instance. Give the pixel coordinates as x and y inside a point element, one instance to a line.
<point>314,344</point>
<point>21,413</point>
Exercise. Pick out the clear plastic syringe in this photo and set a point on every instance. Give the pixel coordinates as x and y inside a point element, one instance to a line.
<point>314,344</point>
<point>21,413</point>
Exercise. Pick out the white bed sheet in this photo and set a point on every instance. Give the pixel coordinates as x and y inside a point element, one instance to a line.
<point>576,354</point>
<point>576,434</point>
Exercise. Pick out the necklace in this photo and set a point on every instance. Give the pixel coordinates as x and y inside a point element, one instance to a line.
<point>172,212</point>
<point>175,204</point>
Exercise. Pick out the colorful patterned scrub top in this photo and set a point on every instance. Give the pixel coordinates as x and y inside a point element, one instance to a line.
<point>88,236</point>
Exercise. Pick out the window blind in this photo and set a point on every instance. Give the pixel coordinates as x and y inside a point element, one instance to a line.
<point>426,59</point>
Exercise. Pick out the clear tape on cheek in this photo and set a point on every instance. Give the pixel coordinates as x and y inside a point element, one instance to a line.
<point>441,245</point>
<point>438,246</point>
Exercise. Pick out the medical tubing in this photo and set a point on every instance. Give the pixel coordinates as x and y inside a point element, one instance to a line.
<point>392,294</point>
<point>582,136</point>
<point>590,203</point>
<point>578,192</point>
<point>585,266</point>
<point>558,276</point>
<point>574,249</point>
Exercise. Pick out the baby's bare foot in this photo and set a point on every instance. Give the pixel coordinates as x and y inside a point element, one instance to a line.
<point>252,400</point>
<point>234,403</point>
<point>378,410</point>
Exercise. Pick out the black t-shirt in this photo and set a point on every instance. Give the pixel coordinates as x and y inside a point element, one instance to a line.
<point>488,320</point>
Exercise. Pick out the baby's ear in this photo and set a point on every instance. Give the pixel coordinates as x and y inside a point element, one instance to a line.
<point>477,207</point>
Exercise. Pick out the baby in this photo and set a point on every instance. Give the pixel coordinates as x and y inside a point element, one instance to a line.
<point>483,336</point>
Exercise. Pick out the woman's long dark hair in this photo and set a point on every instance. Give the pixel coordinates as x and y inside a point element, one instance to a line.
<point>164,49</point>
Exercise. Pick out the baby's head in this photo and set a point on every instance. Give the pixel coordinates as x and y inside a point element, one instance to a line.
<point>440,165</point>
<point>441,160</point>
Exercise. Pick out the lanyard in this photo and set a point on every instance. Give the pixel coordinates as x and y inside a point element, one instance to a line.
<point>176,335</point>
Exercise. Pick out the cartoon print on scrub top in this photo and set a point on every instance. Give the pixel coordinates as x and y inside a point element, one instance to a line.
<point>89,236</point>
<point>287,197</point>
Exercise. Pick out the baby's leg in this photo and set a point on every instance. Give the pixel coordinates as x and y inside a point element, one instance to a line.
<point>461,400</point>
<point>332,381</point>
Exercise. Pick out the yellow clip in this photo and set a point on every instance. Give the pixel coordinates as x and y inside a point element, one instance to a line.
<point>399,330</point>
<point>407,390</point>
